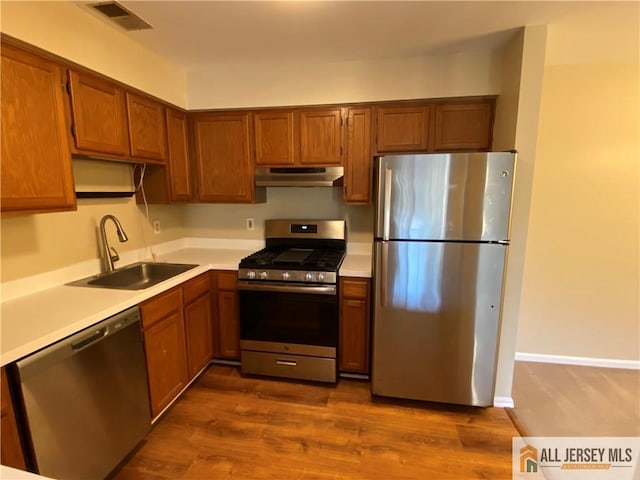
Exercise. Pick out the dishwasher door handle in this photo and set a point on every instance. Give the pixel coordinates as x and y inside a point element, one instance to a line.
<point>89,340</point>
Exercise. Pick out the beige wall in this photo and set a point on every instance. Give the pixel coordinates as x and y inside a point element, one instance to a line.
<point>33,244</point>
<point>228,221</point>
<point>69,30</point>
<point>450,75</point>
<point>581,288</point>
<point>526,92</point>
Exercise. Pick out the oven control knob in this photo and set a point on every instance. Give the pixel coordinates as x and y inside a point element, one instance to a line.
<point>263,275</point>
<point>251,275</point>
<point>321,277</point>
<point>309,277</point>
<point>286,275</point>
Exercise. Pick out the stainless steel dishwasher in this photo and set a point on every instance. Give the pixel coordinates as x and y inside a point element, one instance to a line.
<point>86,399</point>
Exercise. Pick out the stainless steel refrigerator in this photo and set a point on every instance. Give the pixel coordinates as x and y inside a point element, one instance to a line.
<point>441,239</point>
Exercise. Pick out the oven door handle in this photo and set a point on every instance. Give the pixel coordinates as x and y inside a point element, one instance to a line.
<point>288,288</point>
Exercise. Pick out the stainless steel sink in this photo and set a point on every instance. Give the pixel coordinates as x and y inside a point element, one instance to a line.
<point>137,276</point>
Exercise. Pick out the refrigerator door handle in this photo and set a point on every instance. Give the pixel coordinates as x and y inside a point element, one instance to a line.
<point>384,267</point>
<point>386,213</point>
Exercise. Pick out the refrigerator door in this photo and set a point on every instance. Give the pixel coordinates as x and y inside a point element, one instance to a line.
<point>436,319</point>
<point>462,196</point>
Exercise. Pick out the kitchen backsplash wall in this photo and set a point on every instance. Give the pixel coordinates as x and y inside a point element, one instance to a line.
<point>229,221</point>
<point>33,244</point>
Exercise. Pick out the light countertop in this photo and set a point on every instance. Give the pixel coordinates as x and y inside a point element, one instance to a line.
<point>34,321</point>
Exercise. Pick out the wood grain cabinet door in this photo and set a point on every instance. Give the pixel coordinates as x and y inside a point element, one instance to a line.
<point>358,167</point>
<point>179,169</point>
<point>463,126</point>
<point>197,319</point>
<point>147,128</point>
<point>99,115</point>
<point>402,128</point>
<point>11,447</point>
<point>166,360</point>
<point>36,170</point>
<point>320,136</point>
<point>274,137</point>
<point>224,170</point>
<point>227,315</point>
<point>354,325</point>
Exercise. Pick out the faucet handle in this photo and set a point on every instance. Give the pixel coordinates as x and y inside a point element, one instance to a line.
<point>114,257</point>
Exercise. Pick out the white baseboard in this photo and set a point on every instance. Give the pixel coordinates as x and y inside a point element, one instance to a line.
<point>583,361</point>
<point>503,402</point>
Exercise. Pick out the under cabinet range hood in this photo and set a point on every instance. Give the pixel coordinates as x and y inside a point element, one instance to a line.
<point>299,177</point>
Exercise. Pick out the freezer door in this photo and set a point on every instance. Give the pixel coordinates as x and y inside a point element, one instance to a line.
<point>462,196</point>
<point>436,320</point>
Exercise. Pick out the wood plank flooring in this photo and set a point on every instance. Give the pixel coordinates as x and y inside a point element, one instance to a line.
<point>570,400</point>
<point>229,426</point>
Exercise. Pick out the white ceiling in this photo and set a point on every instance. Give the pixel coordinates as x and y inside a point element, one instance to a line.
<point>194,35</point>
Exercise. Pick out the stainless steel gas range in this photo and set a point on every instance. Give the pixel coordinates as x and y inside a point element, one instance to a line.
<point>289,300</point>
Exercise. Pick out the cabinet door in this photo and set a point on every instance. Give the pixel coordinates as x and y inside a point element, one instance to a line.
<point>10,446</point>
<point>274,137</point>
<point>197,317</point>
<point>36,173</point>
<point>179,171</point>
<point>229,324</point>
<point>354,325</point>
<point>166,360</point>
<point>358,161</point>
<point>224,169</point>
<point>147,129</point>
<point>99,115</point>
<point>463,126</point>
<point>227,314</point>
<point>321,136</point>
<point>402,129</point>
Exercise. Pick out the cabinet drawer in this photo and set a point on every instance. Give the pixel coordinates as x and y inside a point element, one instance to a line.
<point>228,280</point>
<point>195,287</point>
<point>161,306</point>
<point>355,288</point>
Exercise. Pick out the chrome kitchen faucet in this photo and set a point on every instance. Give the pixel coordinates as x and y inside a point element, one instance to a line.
<point>109,257</point>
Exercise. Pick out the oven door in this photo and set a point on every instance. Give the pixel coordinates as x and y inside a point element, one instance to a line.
<point>296,319</point>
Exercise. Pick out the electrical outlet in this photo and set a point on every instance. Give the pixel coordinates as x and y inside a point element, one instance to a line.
<point>250,224</point>
<point>156,227</point>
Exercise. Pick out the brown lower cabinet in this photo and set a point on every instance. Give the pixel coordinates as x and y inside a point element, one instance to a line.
<point>177,337</point>
<point>10,446</point>
<point>197,320</point>
<point>355,320</point>
<point>226,314</point>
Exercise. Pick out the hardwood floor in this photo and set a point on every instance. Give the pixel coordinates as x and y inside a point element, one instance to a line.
<point>569,400</point>
<point>228,426</point>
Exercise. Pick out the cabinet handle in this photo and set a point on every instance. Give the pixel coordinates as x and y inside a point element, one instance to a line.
<point>288,363</point>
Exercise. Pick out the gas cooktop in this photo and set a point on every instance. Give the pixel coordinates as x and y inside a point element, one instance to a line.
<point>297,251</point>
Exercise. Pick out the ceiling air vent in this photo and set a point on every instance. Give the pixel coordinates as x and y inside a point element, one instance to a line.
<point>120,15</point>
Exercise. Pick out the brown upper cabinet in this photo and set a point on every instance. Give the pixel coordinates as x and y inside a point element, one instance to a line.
<point>99,115</point>
<point>435,126</point>
<point>110,121</point>
<point>321,136</point>
<point>223,164</point>
<point>36,172</point>
<point>309,136</point>
<point>179,170</point>
<point>274,137</point>
<point>147,128</point>
<point>173,183</point>
<point>358,173</point>
<point>463,126</point>
<point>402,128</point>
